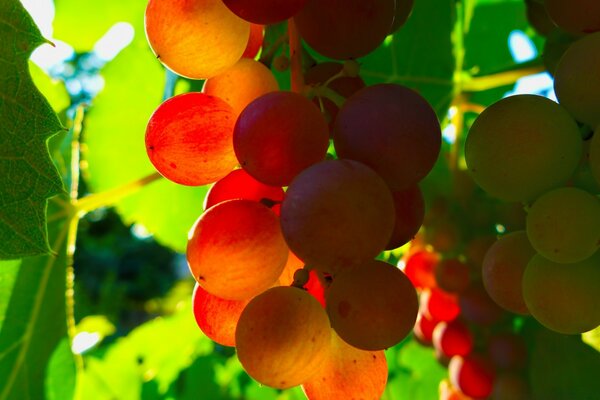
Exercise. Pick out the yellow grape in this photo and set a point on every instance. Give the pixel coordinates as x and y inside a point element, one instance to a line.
<point>197,39</point>
<point>282,337</point>
<point>348,373</point>
<point>522,146</point>
<point>563,297</point>
<point>563,225</point>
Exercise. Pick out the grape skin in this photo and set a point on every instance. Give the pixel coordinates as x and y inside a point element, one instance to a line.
<point>188,130</point>
<point>563,225</point>
<point>372,306</point>
<point>522,146</point>
<point>575,16</point>
<point>196,39</point>
<point>265,11</point>
<point>282,337</point>
<point>236,249</point>
<point>336,214</point>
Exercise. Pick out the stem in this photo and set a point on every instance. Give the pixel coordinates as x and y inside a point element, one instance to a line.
<point>297,76</point>
<point>109,197</point>
<point>500,79</point>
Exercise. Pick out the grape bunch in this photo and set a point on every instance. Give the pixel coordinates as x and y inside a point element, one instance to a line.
<point>309,186</point>
<point>546,155</point>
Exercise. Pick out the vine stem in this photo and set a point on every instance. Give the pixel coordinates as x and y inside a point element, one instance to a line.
<point>500,79</point>
<point>297,77</point>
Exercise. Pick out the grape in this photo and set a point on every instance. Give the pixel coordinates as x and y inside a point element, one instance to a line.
<point>522,146</point>
<point>409,206</point>
<point>453,338</point>
<point>236,250</point>
<point>393,130</point>
<point>241,84</point>
<point>372,306</point>
<point>282,337</point>
<point>196,39</point>
<point>472,374</point>
<point>348,373</point>
<point>477,248</point>
<point>538,18</point>
<point>344,29</point>
<point>255,41</point>
<point>401,14</point>
<point>576,79</point>
<point>291,266</point>
<point>217,317</point>
<point>563,225</point>
<point>278,135</point>
<point>191,130</point>
<point>595,155</point>
<point>575,16</point>
<point>477,307</point>
<point>439,305</point>
<point>452,275</point>
<point>508,351</point>
<point>420,268</point>
<point>239,185</point>
<point>502,270</point>
<point>563,297</point>
<point>423,329</point>
<point>265,11</point>
<point>336,214</point>
<point>344,86</point>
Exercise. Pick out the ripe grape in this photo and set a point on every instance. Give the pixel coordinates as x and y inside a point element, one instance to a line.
<point>196,39</point>
<point>255,41</point>
<point>538,18</point>
<point>409,205</point>
<point>423,329</point>
<point>472,374</point>
<point>217,317</point>
<point>522,146</point>
<point>278,135</point>
<point>595,155</point>
<point>344,29</point>
<point>188,131</point>
<point>241,84</point>
<point>282,337</point>
<point>508,351</point>
<point>510,386</point>
<point>348,373</point>
<point>439,305</point>
<point>236,249</point>
<point>452,275</point>
<point>239,185</point>
<point>563,297</point>
<point>453,338</point>
<point>336,214</point>
<point>372,306</point>
<point>265,11</point>
<point>576,79</point>
<point>563,225</point>
<point>502,270</point>
<point>575,16</point>
<point>393,130</point>
<point>420,268</point>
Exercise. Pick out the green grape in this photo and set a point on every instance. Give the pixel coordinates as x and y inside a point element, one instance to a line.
<point>575,16</point>
<point>522,146</point>
<point>595,155</point>
<point>563,225</point>
<point>564,297</point>
<point>282,337</point>
<point>577,81</point>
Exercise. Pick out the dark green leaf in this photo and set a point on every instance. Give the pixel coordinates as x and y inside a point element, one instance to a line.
<point>29,177</point>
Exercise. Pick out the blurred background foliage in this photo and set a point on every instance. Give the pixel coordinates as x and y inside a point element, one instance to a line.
<point>129,331</point>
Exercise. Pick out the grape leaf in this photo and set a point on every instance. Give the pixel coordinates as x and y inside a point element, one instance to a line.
<point>34,314</point>
<point>27,121</point>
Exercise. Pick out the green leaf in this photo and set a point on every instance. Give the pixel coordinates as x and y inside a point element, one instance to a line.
<point>60,378</point>
<point>563,367</point>
<point>115,129</point>
<point>27,121</point>
<point>34,315</point>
